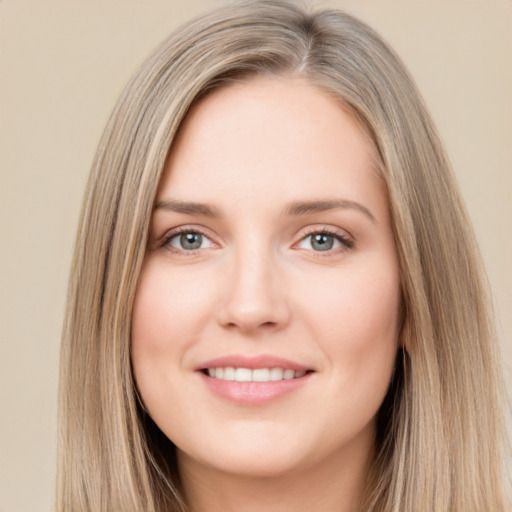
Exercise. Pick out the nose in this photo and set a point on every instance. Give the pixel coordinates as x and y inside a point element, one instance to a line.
<point>255,298</point>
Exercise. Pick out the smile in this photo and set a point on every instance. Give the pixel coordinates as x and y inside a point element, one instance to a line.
<point>230,373</point>
<point>253,380</point>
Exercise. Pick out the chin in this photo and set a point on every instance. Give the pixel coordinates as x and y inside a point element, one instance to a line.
<point>247,464</point>
<point>255,455</point>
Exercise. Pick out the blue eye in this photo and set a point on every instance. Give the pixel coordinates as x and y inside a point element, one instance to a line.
<point>323,241</point>
<point>188,241</point>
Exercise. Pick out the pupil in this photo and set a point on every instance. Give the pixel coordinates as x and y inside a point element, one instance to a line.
<point>191,240</point>
<point>322,242</point>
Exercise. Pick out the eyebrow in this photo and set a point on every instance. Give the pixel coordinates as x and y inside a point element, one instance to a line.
<point>295,208</point>
<point>188,208</point>
<point>308,207</point>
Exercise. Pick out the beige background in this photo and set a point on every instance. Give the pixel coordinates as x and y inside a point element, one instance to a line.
<point>62,65</point>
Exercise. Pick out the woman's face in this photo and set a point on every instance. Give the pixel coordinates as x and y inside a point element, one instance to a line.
<point>265,325</point>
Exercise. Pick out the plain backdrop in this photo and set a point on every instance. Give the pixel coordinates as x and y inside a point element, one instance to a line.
<point>62,66</point>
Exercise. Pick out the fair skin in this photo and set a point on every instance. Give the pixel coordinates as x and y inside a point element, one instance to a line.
<point>271,256</point>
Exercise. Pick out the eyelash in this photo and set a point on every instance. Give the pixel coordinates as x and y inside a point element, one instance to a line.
<point>178,232</point>
<point>346,242</point>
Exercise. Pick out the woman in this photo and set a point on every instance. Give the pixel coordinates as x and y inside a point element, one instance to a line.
<point>276,301</point>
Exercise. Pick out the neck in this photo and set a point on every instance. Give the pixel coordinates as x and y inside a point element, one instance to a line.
<point>337,484</point>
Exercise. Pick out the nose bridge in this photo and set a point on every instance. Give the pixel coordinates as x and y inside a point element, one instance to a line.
<point>254,295</point>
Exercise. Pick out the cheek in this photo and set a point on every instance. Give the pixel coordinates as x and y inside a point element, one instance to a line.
<point>355,321</point>
<point>165,323</point>
<point>168,309</point>
<point>160,323</point>
<point>152,318</point>
<point>362,347</point>
<point>361,303</point>
<point>148,332</point>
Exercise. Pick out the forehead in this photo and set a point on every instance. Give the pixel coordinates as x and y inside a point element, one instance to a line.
<point>251,137</point>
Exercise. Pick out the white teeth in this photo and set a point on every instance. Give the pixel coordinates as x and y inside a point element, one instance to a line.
<point>256,375</point>
<point>243,375</point>
<point>288,374</point>
<point>229,373</point>
<point>276,374</point>
<point>261,375</point>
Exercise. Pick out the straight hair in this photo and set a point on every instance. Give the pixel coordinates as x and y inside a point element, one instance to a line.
<point>440,428</point>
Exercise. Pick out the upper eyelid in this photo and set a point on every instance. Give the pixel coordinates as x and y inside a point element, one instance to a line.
<point>164,240</point>
<point>337,232</point>
<point>345,238</point>
<point>186,229</point>
<point>330,230</point>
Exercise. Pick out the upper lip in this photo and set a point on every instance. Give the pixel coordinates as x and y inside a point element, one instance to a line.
<point>252,362</point>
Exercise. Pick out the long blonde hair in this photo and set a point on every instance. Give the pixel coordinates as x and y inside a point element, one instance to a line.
<point>440,429</point>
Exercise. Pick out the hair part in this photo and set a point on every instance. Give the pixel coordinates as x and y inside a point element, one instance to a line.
<point>440,426</point>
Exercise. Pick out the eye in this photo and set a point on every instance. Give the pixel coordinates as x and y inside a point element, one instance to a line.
<point>323,241</point>
<point>188,240</point>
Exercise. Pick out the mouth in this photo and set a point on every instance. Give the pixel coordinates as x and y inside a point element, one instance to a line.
<point>274,374</point>
<point>253,380</point>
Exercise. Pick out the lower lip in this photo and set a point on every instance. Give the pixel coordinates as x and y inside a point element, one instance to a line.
<point>254,393</point>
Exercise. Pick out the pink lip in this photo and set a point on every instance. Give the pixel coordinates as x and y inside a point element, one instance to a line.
<point>252,362</point>
<point>253,393</point>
